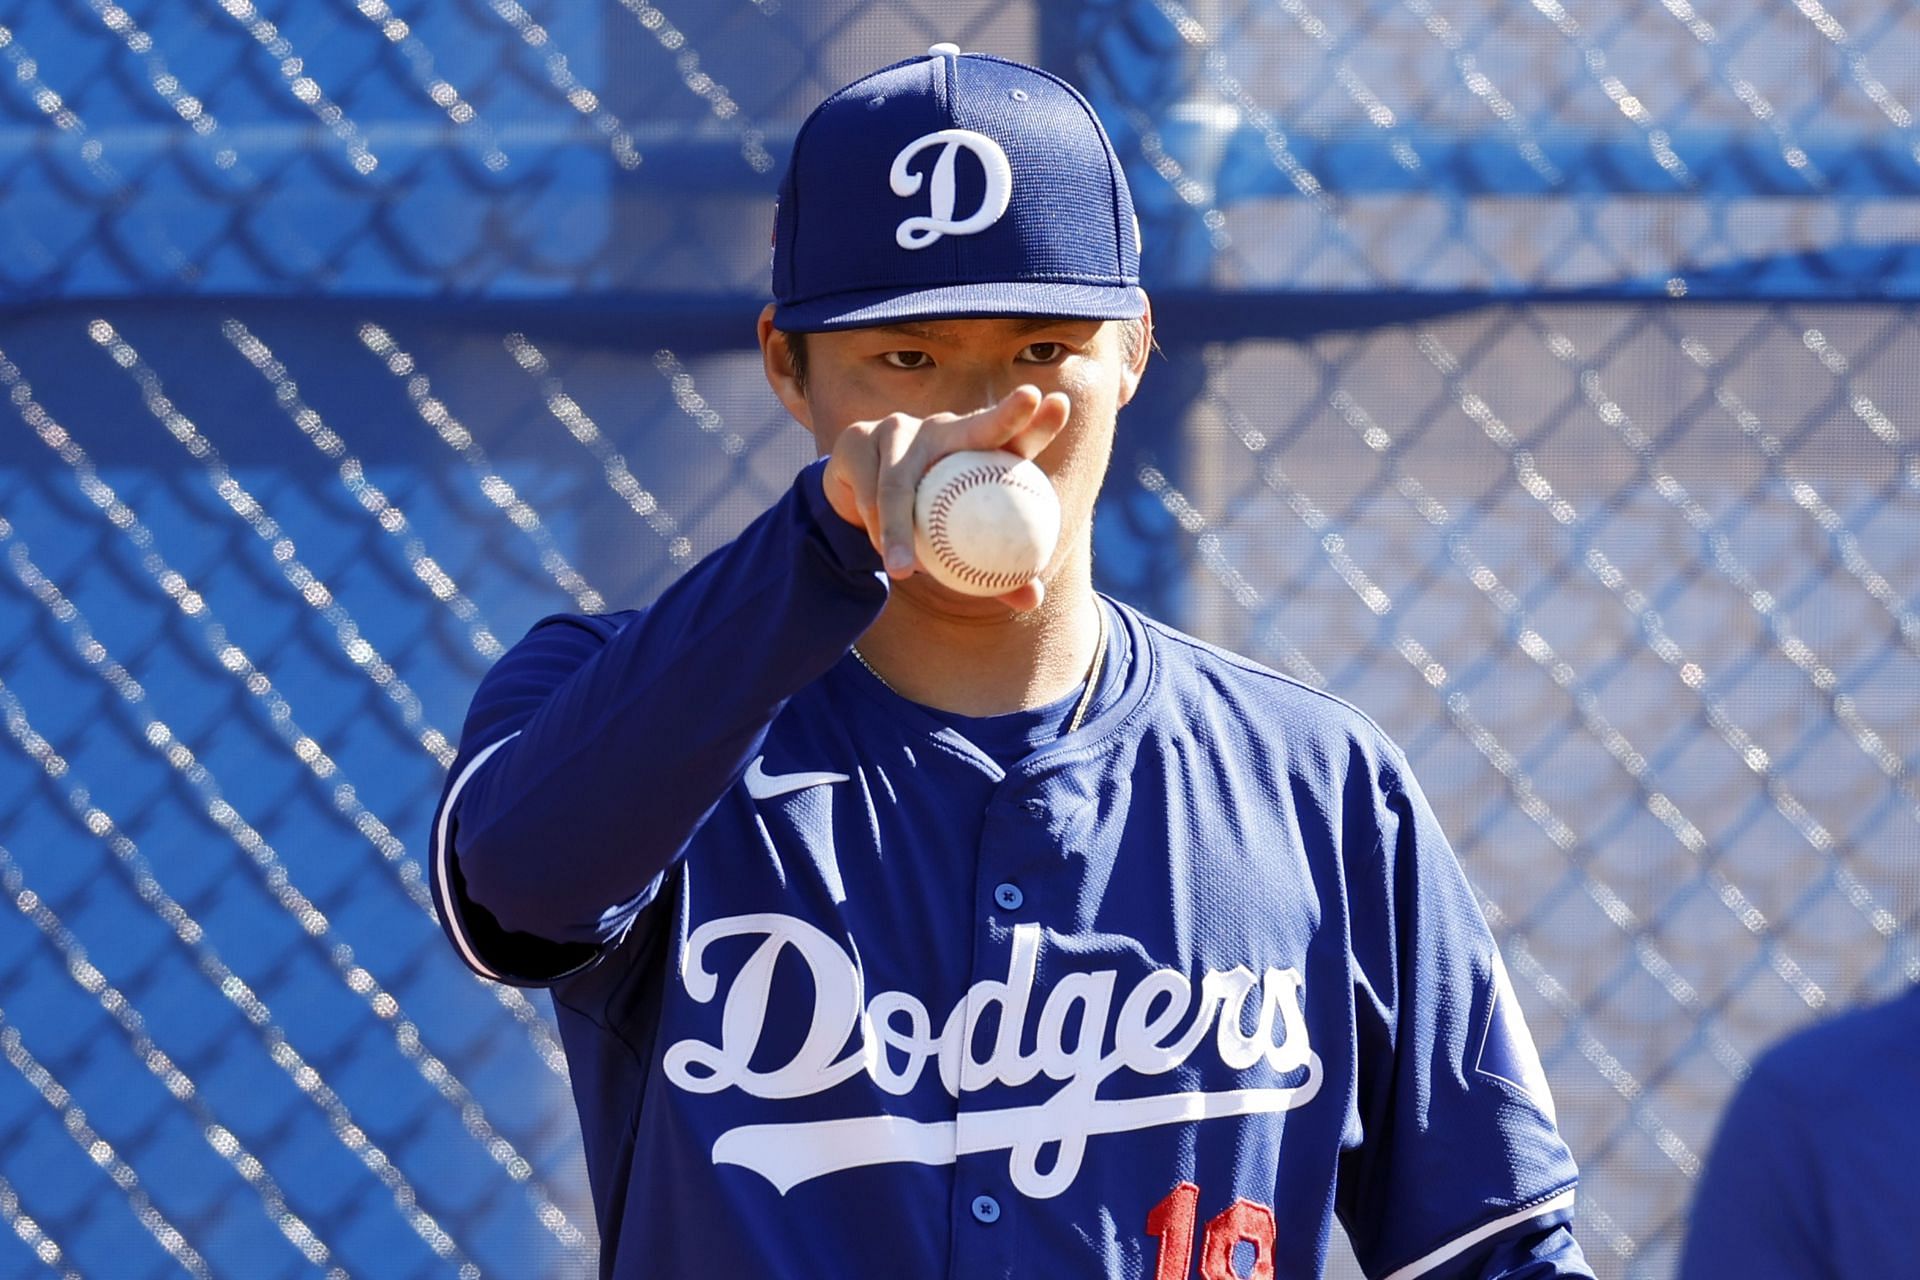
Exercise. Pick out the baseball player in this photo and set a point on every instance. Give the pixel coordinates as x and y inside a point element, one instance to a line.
<point>894,932</point>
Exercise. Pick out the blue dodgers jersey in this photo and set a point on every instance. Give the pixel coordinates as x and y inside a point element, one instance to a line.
<point>1812,1173</point>
<point>1158,1001</point>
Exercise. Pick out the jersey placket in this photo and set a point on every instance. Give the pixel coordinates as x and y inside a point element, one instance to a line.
<point>1016,842</point>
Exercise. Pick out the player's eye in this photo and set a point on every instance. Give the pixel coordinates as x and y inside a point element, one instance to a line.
<point>907,359</point>
<point>1043,353</point>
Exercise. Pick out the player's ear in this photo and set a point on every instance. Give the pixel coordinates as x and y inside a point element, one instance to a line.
<point>1136,346</point>
<point>783,374</point>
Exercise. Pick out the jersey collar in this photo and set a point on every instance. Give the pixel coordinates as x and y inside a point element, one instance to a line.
<point>1127,674</point>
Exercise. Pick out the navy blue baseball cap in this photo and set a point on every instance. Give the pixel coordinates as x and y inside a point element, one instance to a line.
<point>948,186</point>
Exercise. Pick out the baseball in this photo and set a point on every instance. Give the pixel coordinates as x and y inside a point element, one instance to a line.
<point>985,521</point>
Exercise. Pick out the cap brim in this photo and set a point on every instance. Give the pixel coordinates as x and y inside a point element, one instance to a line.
<point>962,302</point>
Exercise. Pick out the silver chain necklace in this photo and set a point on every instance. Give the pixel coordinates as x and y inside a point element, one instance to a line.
<point>1086,696</point>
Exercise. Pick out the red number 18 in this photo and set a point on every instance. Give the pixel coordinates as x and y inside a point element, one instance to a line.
<point>1172,1221</point>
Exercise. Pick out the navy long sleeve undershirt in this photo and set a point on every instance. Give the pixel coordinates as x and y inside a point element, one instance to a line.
<point>612,738</point>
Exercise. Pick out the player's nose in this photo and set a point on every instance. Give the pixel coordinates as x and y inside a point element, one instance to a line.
<point>982,389</point>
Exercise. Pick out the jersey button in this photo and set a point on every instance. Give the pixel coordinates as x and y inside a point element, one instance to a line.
<point>986,1209</point>
<point>1009,896</point>
<point>1035,807</point>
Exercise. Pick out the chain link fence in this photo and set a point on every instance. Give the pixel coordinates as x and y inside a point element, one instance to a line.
<point>1540,376</point>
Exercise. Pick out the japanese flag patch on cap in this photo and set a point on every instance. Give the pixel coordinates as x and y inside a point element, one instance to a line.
<point>948,186</point>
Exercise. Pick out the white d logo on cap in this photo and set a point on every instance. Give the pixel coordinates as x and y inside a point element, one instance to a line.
<point>919,232</point>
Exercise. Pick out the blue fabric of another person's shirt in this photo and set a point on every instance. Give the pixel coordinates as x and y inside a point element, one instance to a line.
<point>1816,1170</point>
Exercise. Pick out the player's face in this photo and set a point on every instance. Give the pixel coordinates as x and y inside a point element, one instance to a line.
<point>958,366</point>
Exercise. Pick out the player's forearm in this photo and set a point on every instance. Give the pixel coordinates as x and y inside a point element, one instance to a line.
<point>622,761</point>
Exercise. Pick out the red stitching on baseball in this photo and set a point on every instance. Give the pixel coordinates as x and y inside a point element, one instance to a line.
<point>937,525</point>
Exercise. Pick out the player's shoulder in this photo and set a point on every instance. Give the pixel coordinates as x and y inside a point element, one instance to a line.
<point>1195,665</point>
<point>1206,679</point>
<point>1842,1056</point>
<point>531,668</point>
<point>563,636</point>
<point>602,626</point>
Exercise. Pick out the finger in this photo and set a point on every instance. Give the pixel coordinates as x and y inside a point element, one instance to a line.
<point>849,481</point>
<point>1025,599</point>
<point>900,466</point>
<point>1049,418</point>
<point>992,427</point>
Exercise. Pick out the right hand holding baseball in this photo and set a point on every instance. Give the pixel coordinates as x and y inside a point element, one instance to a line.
<point>875,467</point>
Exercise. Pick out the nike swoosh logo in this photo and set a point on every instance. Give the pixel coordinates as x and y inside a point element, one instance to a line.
<point>762,785</point>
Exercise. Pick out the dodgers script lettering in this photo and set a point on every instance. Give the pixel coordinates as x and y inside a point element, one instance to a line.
<point>1155,1027</point>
